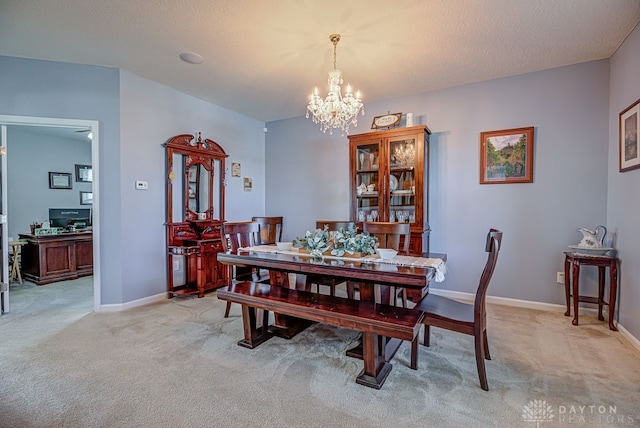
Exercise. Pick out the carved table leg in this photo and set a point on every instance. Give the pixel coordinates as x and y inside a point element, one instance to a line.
<point>376,369</point>
<point>575,278</point>
<point>286,326</point>
<point>601,272</point>
<point>253,336</point>
<point>567,284</point>
<point>613,289</point>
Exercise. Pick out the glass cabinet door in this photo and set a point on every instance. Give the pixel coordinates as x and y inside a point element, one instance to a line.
<point>402,180</point>
<point>367,182</point>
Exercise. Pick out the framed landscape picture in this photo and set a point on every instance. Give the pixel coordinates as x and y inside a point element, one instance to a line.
<point>506,156</point>
<point>628,137</point>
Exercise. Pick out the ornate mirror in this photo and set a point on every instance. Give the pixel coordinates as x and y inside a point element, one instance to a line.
<point>195,171</point>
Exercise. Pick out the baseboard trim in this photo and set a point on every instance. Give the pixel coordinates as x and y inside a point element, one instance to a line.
<point>630,338</point>
<point>116,307</point>
<point>469,297</point>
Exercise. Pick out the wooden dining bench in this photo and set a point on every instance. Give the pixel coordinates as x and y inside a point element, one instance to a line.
<point>375,321</point>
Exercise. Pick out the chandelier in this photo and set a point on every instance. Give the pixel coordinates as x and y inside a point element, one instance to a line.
<point>405,155</point>
<point>335,111</point>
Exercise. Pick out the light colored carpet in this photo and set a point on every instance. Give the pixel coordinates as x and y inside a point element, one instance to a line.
<point>176,364</point>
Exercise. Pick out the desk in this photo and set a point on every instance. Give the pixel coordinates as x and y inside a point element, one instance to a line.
<point>51,258</point>
<point>572,263</point>
<point>15,266</point>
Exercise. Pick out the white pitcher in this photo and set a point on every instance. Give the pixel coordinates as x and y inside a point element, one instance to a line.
<point>590,237</point>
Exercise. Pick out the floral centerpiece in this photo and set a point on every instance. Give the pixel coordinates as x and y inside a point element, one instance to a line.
<point>350,242</point>
<point>322,242</point>
<point>316,242</point>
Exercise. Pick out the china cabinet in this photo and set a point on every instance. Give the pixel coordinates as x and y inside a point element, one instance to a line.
<point>195,213</point>
<point>390,179</point>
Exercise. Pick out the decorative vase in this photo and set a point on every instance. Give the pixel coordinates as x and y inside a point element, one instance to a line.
<point>409,121</point>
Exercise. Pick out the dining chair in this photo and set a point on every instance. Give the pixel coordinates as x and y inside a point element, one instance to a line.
<point>237,235</point>
<point>460,317</point>
<point>395,236</point>
<point>331,282</point>
<point>270,229</point>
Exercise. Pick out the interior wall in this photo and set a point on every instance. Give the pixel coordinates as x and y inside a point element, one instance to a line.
<point>152,113</point>
<point>568,108</point>
<point>623,206</point>
<point>132,222</point>
<point>30,157</point>
<point>71,91</point>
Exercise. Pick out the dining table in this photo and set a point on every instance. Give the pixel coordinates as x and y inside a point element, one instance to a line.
<point>373,276</point>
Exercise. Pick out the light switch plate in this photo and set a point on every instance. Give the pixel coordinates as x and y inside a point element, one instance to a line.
<point>142,185</point>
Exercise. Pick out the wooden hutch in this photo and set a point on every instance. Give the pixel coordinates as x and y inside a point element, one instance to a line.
<point>195,213</point>
<point>390,179</point>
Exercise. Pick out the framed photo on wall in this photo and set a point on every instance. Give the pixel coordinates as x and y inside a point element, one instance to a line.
<point>84,173</point>
<point>506,156</point>
<point>86,198</point>
<point>628,137</point>
<point>59,180</point>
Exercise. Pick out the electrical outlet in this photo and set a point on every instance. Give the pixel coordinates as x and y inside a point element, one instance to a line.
<point>560,277</point>
<point>142,185</point>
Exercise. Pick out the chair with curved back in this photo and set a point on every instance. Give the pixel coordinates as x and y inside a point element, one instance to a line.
<point>331,282</point>
<point>237,235</point>
<point>270,229</point>
<point>395,236</point>
<point>461,317</point>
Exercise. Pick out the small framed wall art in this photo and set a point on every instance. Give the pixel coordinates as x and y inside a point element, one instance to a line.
<point>386,121</point>
<point>59,180</point>
<point>84,173</point>
<point>628,137</point>
<point>506,156</point>
<point>86,198</point>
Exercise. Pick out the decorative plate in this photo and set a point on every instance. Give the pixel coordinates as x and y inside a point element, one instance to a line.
<point>393,182</point>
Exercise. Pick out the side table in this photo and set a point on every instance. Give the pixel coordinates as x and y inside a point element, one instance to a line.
<point>571,283</point>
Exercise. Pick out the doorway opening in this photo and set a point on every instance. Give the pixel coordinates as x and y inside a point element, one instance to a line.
<point>60,129</point>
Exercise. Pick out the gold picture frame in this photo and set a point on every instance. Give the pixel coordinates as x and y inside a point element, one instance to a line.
<point>506,156</point>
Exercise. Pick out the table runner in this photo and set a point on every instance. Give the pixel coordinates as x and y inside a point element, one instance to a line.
<point>439,266</point>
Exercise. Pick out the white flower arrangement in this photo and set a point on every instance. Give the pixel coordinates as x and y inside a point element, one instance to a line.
<point>338,243</point>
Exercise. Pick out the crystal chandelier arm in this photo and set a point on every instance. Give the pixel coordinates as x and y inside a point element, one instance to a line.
<point>335,111</point>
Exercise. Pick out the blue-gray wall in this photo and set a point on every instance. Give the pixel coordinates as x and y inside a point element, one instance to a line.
<point>151,114</point>
<point>30,157</point>
<point>135,117</point>
<point>623,205</point>
<point>70,91</point>
<point>568,108</point>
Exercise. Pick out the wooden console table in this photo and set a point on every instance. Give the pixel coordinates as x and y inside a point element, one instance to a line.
<point>572,264</point>
<point>51,258</point>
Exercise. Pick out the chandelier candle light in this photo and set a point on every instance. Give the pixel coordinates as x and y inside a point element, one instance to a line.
<point>335,111</point>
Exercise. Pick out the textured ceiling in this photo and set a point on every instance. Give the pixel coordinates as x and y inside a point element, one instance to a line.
<point>264,57</point>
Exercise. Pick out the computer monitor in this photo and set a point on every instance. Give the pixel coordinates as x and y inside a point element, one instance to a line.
<point>64,217</point>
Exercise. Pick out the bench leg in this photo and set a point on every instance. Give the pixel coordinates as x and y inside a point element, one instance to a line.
<point>252,335</point>
<point>376,369</point>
